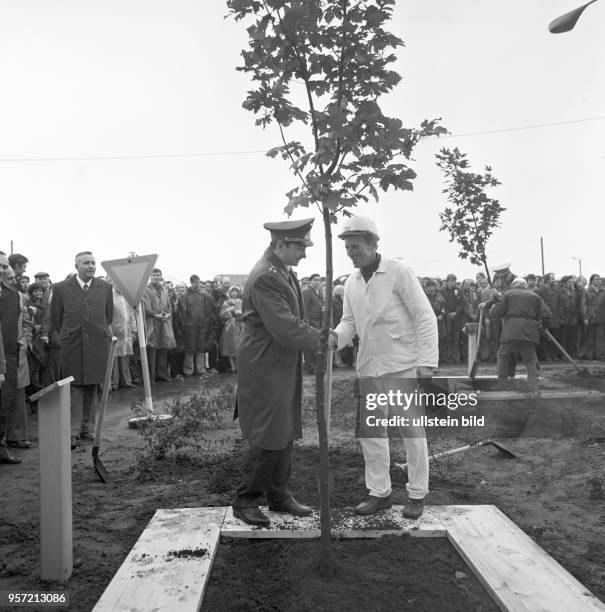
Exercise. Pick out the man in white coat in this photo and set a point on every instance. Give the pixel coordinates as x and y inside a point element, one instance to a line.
<point>386,307</point>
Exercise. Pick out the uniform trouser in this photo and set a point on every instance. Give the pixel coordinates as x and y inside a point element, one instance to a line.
<point>157,360</point>
<point>121,371</point>
<point>264,471</point>
<point>195,361</point>
<point>84,400</point>
<point>376,455</point>
<point>527,350</point>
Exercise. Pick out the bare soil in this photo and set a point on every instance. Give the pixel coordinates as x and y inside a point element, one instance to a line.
<point>554,491</point>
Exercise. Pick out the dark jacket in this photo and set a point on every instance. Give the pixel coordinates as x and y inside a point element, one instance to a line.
<point>521,310</point>
<point>313,307</point>
<point>198,315</point>
<point>82,320</point>
<point>552,298</point>
<point>269,370</point>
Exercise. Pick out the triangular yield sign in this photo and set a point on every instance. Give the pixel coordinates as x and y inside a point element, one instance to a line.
<point>130,275</point>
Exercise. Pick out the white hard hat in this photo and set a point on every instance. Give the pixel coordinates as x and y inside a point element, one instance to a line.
<point>357,226</point>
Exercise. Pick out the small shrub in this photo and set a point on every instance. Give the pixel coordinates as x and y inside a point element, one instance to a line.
<point>181,438</point>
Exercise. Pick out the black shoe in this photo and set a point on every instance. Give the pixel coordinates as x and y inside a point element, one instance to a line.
<point>19,443</point>
<point>75,442</point>
<point>9,459</point>
<point>252,516</point>
<point>291,506</point>
<point>413,509</point>
<point>373,504</point>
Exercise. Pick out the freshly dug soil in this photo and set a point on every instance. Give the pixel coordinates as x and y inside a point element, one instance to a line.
<point>388,573</point>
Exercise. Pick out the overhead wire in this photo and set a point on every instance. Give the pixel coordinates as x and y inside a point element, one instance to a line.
<point>263,151</point>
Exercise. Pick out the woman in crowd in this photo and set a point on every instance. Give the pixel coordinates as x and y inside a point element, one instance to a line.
<point>231,315</point>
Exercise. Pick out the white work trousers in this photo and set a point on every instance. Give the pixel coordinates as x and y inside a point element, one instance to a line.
<point>376,455</point>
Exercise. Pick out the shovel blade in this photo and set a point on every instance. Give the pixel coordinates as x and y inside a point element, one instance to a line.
<point>100,469</point>
<point>505,452</point>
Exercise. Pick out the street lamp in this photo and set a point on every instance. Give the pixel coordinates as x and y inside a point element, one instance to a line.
<point>566,22</point>
<point>580,262</point>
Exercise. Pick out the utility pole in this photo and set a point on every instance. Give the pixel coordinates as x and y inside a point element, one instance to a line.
<point>11,247</point>
<point>542,253</point>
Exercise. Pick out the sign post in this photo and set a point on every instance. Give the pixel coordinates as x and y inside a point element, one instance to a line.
<point>56,536</point>
<point>131,275</point>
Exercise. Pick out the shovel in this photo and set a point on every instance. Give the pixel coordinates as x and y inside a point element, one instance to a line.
<point>582,371</point>
<point>473,372</point>
<point>455,451</point>
<point>99,467</point>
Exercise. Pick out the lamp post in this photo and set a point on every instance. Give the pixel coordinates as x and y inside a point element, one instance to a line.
<point>579,260</point>
<point>566,22</point>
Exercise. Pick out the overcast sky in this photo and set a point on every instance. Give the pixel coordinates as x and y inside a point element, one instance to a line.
<point>107,78</point>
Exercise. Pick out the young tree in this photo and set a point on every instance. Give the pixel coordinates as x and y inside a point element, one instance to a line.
<point>336,53</point>
<point>473,216</point>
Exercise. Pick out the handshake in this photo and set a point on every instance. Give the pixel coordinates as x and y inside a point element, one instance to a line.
<point>332,340</point>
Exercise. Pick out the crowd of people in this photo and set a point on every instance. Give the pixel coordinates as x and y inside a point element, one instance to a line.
<point>195,329</point>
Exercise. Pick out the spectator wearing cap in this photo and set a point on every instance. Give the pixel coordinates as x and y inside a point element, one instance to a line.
<point>455,305</point>
<point>386,307</point>
<point>197,311</point>
<point>158,324</point>
<point>313,309</point>
<point>523,313</point>
<point>269,373</point>
<point>504,273</point>
<point>23,285</point>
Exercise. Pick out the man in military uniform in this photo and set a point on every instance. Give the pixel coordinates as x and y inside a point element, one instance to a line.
<point>269,373</point>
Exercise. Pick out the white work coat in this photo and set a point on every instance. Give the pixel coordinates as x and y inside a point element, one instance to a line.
<point>393,318</point>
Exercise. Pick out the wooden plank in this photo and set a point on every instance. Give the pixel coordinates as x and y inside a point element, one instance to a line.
<point>489,396</point>
<point>519,574</point>
<point>433,523</point>
<point>168,567</point>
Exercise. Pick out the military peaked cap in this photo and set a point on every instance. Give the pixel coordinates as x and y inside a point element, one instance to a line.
<point>298,231</point>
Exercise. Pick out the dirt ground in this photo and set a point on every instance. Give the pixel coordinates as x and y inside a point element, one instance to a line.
<point>554,491</point>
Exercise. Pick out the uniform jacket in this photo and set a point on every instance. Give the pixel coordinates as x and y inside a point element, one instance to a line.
<point>521,310</point>
<point>269,372</point>
<point>313,307</point>
<point>393,318</point>
<point>82,320</point>
<point>159,333</point>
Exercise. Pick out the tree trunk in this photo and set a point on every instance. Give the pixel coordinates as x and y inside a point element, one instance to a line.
<point>325,560</point>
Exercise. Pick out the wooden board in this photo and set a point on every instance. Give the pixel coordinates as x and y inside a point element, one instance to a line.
<point>518,574</point>
<point>167,568</point>
<point>345,524</point>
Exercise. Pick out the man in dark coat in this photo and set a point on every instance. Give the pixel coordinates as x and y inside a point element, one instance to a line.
<point>269,373</point>
<point>10,309</point>
<point>454,312</point>
<point>523,313</point>
<point>313,308</point>
<point>81,310</point>
<point>197,310</point>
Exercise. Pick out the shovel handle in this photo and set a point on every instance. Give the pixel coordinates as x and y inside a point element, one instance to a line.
<point>563,351</point>
<point>106,387</point>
